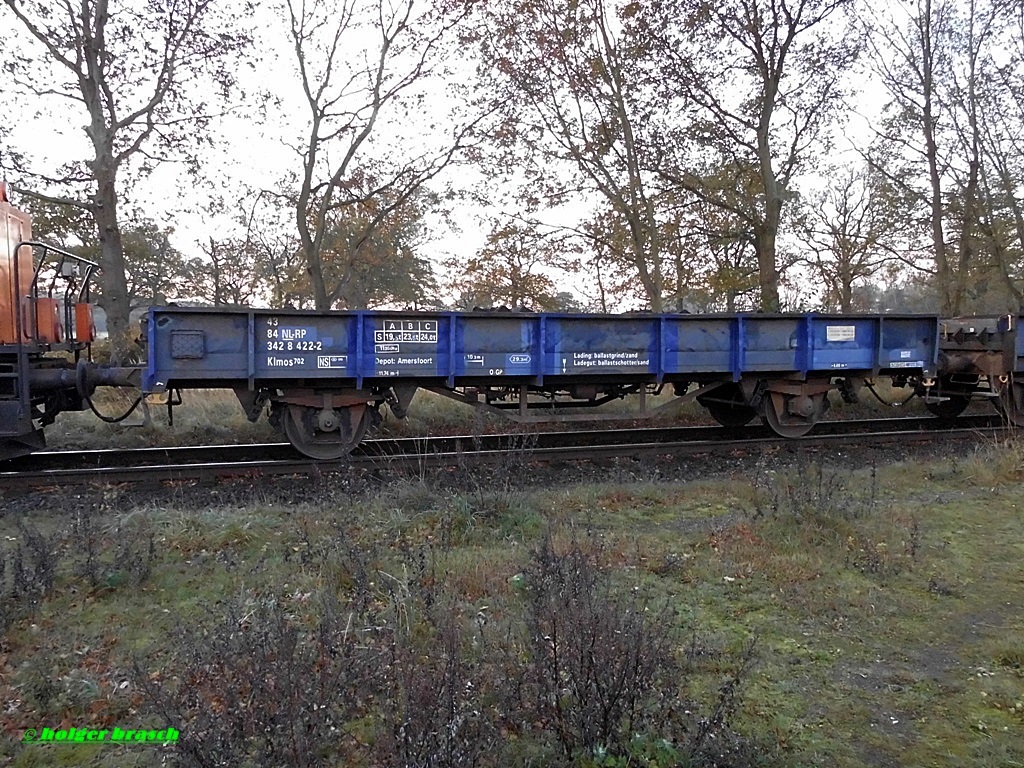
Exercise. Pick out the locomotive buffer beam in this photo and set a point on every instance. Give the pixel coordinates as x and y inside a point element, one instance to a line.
<point>83,378</point>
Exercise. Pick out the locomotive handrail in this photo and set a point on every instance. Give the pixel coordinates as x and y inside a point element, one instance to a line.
<point>64,256</point>
<point>72,281</point>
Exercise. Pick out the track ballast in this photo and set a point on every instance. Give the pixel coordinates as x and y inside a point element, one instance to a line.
<point>199,463</point>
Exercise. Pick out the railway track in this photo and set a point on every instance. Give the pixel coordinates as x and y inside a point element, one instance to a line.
<point>52,468</point>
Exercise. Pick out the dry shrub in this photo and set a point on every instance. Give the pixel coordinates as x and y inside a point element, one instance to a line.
<point>28,570</point>
<point>438,711</point>
<point>121,556</point>
<point>998,461</point>
<point>812,492</point>
<point>600,672</point>
<point>264,687</point>
<point>824,514</point>
<point>600,663</point>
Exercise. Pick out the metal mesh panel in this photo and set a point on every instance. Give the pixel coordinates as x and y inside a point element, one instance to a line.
<point>188,345</point>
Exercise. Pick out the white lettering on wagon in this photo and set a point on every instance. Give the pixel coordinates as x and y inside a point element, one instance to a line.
<point>289,332</point>
<point>384,362</point>
<point>609,360</point>
<point>282,343</point>
<point>405,346</point>
<point>407,331</point>
<point>285,362</point>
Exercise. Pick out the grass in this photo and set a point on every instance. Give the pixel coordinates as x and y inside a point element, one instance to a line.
<point>205,417</point>
<point>884,604</point>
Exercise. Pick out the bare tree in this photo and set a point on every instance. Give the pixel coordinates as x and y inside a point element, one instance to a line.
<point>155,269</point>
<point>850,231</point>
<point>1003,126</point>
<point>932,57</point>
<point>568,88</point>
<point>133,70</point>
<point>514,268</point>
<point>269,236</point>
<point>231,273</point>
<point>716,259</point>
<point>1001,123</point>
<point>754,84</point>
<point>349,86</point>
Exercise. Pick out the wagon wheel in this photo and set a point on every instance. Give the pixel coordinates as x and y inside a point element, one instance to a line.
<point>792,415</point>
<point>958,400</point>
<point>326,435</point>
<point>1010,402</point>
<point>727,406</point>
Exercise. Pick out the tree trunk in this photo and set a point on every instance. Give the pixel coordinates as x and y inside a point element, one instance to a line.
<point>650,284</point>
<point>971,202</point>
<point>314,263</point>
<point>768,230</point>
<point>768,275</point>
<point>657,301</point>
<point>947,302</point>
<point>679,282</point>
<point>846,297</point>
<point>600,287</point>
<point>112,265</point>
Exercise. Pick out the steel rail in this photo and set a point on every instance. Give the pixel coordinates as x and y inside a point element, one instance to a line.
<point>213,462</point>
<point>100,458</point>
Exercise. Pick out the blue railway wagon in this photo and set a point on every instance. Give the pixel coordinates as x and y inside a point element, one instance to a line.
<point>195,345</point>
<point>325,374</point>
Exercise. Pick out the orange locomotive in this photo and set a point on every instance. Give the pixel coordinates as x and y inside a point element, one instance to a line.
<point>46,332</point>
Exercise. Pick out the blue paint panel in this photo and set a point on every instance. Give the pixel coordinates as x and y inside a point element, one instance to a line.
<point>771,343</point>
<point>698,345</point>
<point>909,343</point>
<point>225,348</point>
<point>310,346</point>
<point>492,346</point>
<point>843,343</point>
<point>585,346</point>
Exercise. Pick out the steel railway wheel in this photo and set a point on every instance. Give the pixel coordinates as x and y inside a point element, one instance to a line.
<point>958,394</point>
<point>727,406</point>
<point>792,415</point>
<point>326,434</point>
